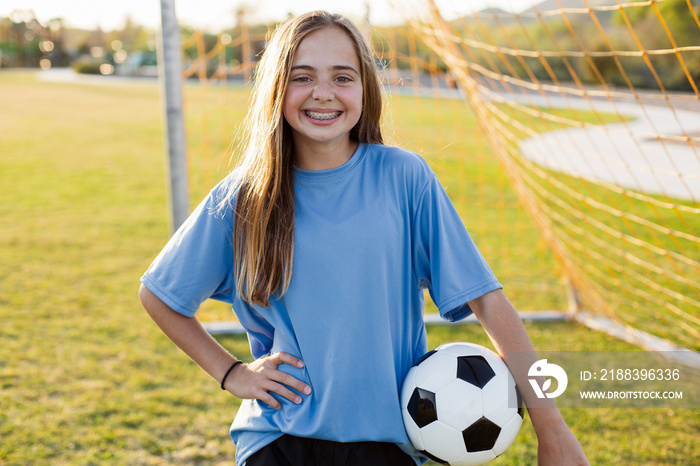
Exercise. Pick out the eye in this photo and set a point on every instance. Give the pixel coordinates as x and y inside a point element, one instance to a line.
<point>301,79</point>
<point>343,79</point>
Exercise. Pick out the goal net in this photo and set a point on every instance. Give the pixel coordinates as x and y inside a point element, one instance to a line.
<point>575,164</point>
<point>593,109</point>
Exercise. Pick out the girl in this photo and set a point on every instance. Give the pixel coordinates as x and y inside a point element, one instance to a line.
<point>323,239</point>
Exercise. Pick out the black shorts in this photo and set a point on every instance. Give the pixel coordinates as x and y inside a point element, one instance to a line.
<point>297,451</point>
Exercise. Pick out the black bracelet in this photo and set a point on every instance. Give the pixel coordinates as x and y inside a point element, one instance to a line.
<point>228,372</point>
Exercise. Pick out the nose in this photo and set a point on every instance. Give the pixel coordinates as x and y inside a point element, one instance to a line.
<point>322,91</point>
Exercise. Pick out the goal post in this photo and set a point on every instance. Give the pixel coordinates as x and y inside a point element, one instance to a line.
<point>170,75</point>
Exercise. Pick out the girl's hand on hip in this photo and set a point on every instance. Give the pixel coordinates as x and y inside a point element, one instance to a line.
<point>261,377</point>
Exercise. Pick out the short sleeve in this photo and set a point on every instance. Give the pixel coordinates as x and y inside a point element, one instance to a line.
<point>196,264</point>
<point>445,259</point>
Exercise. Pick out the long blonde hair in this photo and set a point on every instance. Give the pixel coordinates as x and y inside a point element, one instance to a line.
<point>264,182</point>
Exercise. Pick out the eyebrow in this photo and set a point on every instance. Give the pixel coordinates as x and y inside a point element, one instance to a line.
<point>334,68</point>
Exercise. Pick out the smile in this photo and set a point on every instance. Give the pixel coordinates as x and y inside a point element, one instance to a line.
<point>322,116</point>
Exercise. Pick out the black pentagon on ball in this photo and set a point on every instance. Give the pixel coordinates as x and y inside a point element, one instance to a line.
<point>474,370</point>
<point>481,435</point>
<point>421,407</point>
<point>519,398</point>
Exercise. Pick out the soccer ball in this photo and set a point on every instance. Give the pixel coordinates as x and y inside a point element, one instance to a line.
<point>460,405</point>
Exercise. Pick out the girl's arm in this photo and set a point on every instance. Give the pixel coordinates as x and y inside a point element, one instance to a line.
<point>254,380</point>
<point>498,317</point>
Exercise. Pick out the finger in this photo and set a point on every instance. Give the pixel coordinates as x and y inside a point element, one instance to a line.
<point>287,379</point>
<point>268,399</point>
<point>287,358</point>
<point>284,392</point>
<point>290,381</point>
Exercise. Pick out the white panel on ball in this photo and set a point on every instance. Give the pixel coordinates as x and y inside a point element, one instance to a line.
<point>448,443</point>
<point>497,400</point>
<point>436,372</point>
<point>459,404</point>
<point>461,349</point>
<point>508,434</point>
<point>471,459</point>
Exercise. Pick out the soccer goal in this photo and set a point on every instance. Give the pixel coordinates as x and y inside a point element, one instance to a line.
<point>592,107</point>
<point>567,133</point>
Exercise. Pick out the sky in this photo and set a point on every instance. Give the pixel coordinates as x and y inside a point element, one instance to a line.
<point>219,14</point>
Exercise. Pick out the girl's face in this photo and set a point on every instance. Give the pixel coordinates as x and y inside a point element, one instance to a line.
<point>323,101</point>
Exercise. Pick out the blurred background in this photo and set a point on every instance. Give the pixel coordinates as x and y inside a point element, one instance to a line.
<point>566,133</point>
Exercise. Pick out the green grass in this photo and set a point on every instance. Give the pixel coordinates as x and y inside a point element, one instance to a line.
<point>87,378</point>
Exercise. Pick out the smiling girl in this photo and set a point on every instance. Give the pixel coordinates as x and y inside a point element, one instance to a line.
<point>323,240</point>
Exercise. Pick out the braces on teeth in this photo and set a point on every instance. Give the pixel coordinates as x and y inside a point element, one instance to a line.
<point>323,116</point>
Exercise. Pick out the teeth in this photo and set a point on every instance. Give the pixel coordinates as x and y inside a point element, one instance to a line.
<point>323,116</point>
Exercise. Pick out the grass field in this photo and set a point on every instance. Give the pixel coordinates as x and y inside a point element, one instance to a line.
<point>85,375</point>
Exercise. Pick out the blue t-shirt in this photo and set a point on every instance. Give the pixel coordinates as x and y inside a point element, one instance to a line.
<point>369,237</point>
